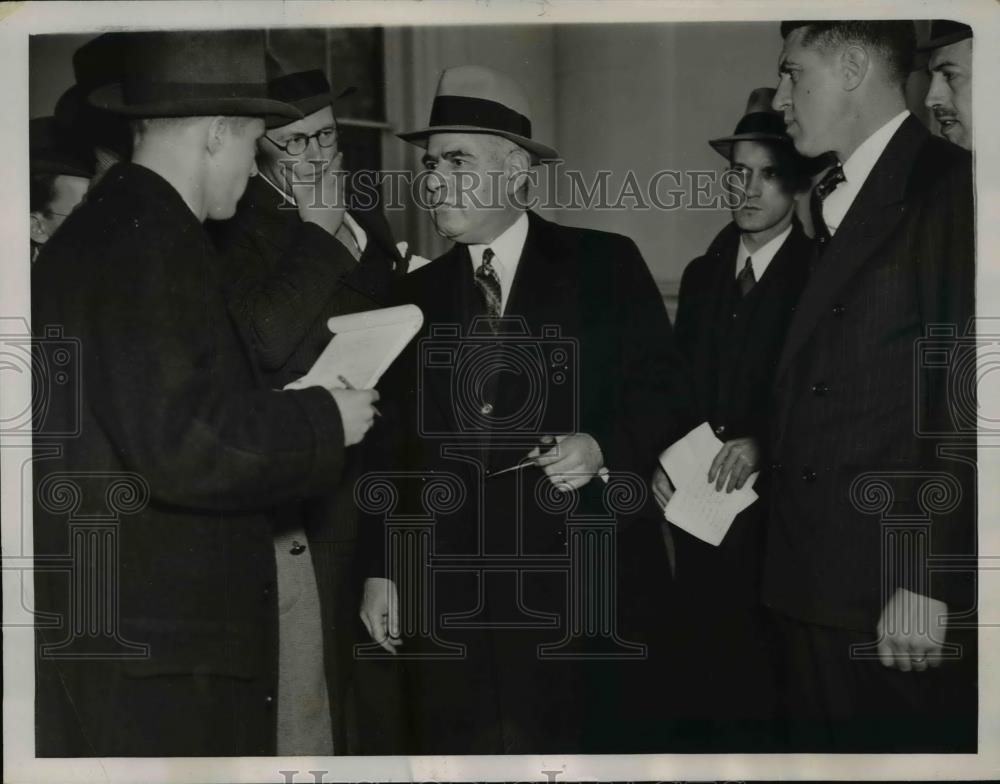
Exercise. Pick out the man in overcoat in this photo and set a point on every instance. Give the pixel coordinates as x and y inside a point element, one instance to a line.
<point>160,454</point>
<point>545,351</point>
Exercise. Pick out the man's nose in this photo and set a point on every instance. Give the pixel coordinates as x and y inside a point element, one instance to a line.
<point>936,93</point>
<point>782,96</point>
<point>753,188</point>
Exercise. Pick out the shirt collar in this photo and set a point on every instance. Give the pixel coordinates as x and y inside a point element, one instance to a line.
<point>507,250</point>
<point>860,163</point>
<point>761,258</point>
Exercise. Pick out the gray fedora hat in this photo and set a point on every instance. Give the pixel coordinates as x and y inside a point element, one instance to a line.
<point>476,99</point>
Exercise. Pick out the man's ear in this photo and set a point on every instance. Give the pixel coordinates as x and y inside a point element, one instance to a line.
<point>517,168</point>
<point>217,130</point>
<point>37,229</point>
<point>854,65</point>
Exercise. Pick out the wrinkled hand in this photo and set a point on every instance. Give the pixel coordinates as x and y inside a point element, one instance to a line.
<point>735,462</point>
<point>318,188</point>
<point>357,412</point>
<point>380,612</point>
<point>570,461</point>
<point>660,484</point>
<point>912,631</point>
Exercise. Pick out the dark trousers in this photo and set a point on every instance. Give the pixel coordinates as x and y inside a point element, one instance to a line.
<point>835,702</point>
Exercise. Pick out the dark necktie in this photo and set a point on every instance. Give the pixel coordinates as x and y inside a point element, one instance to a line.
<point>489,285</point>
<point>746,279</point>
<point>828,184</point>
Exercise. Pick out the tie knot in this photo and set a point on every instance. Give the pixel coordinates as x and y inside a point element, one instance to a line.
<point>828,182</point>
<point>488,256</point>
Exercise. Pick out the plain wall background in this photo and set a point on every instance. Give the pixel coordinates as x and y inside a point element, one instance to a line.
<point>620,97</point>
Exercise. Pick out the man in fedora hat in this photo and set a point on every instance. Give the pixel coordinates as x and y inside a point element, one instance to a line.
<point>97,63</point>
<point>735,304</point>
<point>861,423</point>
<point>949,95</point>
<point>166,433</point>
<point>584,305</point>
<point>296,254</point>
<point>60,173</point>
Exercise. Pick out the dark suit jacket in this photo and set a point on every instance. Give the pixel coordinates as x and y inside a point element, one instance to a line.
<point>284,279</point>
<point>600,349</point>
<point>732,346</point>
<point>163,388</point>
<point>852,393</point>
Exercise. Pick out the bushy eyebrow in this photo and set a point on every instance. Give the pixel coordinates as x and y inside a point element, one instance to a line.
<point>448,155</point>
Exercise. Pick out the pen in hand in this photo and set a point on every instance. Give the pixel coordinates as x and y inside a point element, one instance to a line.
<point>348,385</point>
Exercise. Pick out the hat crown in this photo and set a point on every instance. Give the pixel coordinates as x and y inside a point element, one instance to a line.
<point>195,57</point>
<point>486,84</point>
<point>760,100</point>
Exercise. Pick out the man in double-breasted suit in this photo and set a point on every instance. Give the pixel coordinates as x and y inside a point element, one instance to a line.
<point>736,302</point>
<point>545,351</point>
<point>161,455</point>
<point>860,440</point>
<point>298,251</point>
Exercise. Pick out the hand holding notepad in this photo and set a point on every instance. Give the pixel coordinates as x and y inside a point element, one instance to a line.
<point>362,348</point>
<point>696,506</point>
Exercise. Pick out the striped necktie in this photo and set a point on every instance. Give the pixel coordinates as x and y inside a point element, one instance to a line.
<point>827,185</point>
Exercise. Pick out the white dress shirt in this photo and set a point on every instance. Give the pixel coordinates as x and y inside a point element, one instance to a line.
<point>360,237</point>
<point>856,170</point>
<point>761,258</point>
<point>506,255</point>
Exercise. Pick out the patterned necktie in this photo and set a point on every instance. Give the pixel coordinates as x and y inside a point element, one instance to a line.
<point>827,185</point>
<point>746,279</point>
<point>489,284</point>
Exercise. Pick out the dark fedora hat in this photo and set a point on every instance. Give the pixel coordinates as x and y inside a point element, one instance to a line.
<point>759,123</point>
<point>476,99</point>
<point>308,91</point>
<point>51,152</point>
<point>192,73</point>
<point>945,32</point>
<point>98,62</point>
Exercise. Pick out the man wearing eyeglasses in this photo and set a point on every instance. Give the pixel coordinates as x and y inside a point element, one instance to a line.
<point>296,255</point>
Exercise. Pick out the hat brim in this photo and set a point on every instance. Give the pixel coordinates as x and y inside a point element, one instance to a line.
<point>539,152</point>
<point>110,98</point>
<point>724,144</point>
<point>307,106</point>
<point>56,165</point>
<point>945,40</point>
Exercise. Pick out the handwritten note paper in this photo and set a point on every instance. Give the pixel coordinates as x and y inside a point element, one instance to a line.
<point>696,506</point>
<point>363,347</point>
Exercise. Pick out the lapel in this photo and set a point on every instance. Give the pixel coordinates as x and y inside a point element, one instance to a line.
<point>542,273</point>
<point>875,213</point>
<point>443,299</point>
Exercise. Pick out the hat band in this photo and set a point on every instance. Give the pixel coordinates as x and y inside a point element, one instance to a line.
<point>480,113</point>
<point>153,92</point>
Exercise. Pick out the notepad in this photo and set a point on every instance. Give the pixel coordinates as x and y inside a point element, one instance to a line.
<point>696,506</point>
<point>362,348</point>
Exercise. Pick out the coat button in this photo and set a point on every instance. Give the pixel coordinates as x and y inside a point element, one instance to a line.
<point>269,701</point>
<point>808,475</point>
<point>266,591</point>
<point>820,389</point>
<point>838,310</point>
<point>776,467</point>
<point>486,409</point>
<point>720,430</point>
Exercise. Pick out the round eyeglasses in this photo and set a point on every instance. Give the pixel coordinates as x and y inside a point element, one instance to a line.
<point>296,145</point>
